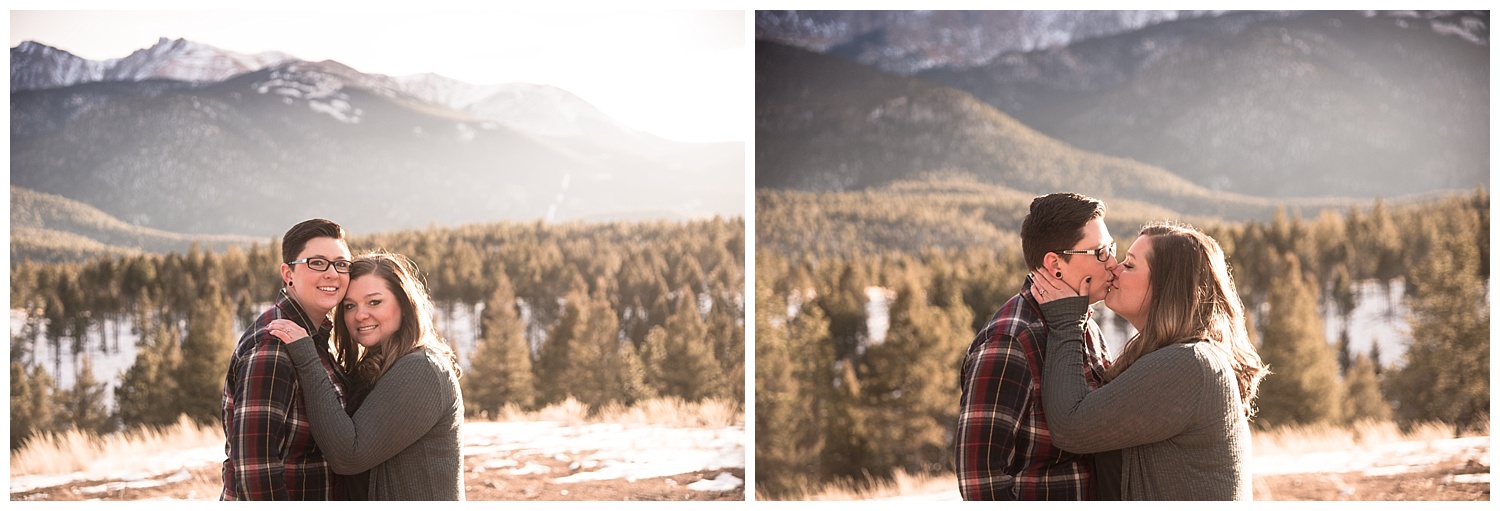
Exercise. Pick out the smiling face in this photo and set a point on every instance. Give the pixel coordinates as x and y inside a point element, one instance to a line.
<point>1130,291</point>
<point>317,291</point>
<point>371,312</point>
<point>1076,267</point>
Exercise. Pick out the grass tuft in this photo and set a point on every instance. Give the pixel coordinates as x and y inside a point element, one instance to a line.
<point>75,451</point>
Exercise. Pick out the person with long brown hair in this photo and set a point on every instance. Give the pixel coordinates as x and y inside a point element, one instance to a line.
<point>1178,400</point>
<point>406,430</point>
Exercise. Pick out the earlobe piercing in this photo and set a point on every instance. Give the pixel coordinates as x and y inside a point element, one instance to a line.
<point>1059,274</point>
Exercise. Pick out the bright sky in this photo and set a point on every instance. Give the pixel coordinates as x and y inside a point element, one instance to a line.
<point>683,75</point>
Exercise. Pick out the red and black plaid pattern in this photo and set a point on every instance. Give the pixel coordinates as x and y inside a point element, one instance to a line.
<point>1003,450</point>
<point>269,444</point>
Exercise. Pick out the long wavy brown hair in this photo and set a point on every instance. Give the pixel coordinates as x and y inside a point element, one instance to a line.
<point>367,365</point>
<point>1193,298</point>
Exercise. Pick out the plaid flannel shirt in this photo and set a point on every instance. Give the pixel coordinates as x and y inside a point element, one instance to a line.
<point>269,444</point>
<point>1003,450</point>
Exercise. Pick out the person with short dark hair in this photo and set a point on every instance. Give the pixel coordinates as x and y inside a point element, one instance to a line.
<point>268,442</point>
<point>1003,450</point>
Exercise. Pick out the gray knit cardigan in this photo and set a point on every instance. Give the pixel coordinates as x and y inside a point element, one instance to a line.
<point>1175,414</point>
<point>407,432</point>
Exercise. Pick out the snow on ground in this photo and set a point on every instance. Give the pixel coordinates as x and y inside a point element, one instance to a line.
<point>1376,460</point>
<point>598,451</point>
<point>623,451</point>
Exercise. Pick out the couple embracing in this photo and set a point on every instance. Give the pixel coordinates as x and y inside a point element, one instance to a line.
<point>375,416</point>
<point>1046,414</point>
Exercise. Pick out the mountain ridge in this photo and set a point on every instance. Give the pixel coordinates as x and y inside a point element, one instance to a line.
<point>827,124</point>
<point>1301,110</point>
<point>253,153</point>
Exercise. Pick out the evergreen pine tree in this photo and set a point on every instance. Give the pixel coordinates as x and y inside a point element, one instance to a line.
<point>554,383</point>
<point>595,361</point>
<point>205,355</point>
<point>907,387</point>
<point>679,359</point>
<point>85,405</point>
<point>1304,387</point>
<point>726,332</point>
<point>1446,375</point>
<point>779,410</point>
<point>500,370</point>
<point>149,393</point>
<point>844,305</point>
<point>1365,399</point>
<point>31,403</point>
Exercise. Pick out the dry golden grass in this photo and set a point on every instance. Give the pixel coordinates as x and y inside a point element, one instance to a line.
<point>1323,438</point>
<point>75,451</point>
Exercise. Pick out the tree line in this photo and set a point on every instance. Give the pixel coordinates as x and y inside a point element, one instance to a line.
<point>599,312</point>
<point>835,405</point>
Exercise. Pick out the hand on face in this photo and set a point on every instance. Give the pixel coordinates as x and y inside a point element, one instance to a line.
<point>286,330</point>
<point>1047,287</point>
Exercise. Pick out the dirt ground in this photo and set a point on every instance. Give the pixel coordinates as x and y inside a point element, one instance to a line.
<point>203,483</point>
<point>1435,483</point>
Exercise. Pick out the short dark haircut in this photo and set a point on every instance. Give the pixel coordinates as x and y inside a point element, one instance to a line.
<point>1056,223</point>
<point>297,237</point>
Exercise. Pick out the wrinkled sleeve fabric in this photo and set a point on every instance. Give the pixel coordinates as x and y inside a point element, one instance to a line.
<point>995,393</point>
<point>403,406</point>
<point>1151,401</point>
<point>262,399</point>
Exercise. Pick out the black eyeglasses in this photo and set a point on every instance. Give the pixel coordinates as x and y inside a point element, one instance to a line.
<point>321,264</point>
<point>1103,253</point>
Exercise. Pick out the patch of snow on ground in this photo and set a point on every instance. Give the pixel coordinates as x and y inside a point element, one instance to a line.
<point>724,482</point>
<point>1375,460</point>
<point>610,451</point>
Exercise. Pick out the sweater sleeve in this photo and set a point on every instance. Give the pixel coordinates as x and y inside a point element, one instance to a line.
<point>1153,400</point>
<point>404,405</point>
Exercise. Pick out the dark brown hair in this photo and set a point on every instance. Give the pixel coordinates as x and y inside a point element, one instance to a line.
<point>400,274</point>
<point>1193,298</point>
<point>1056,223</point>
<point>297,237</point>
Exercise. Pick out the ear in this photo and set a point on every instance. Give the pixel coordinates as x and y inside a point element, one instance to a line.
<point>286,273</point>
<point>1050,262</point>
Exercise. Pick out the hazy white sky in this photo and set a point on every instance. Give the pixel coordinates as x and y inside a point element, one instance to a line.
<point>683,75</point>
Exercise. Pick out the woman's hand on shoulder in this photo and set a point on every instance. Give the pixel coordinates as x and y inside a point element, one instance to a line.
<point>286,330</point>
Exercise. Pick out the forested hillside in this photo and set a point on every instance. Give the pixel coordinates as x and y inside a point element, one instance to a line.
<point>834,403</point>
<point>604,313</point>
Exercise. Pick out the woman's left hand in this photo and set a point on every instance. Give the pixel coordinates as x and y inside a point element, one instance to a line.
<point>286,330</point>
<point>1047,288</point>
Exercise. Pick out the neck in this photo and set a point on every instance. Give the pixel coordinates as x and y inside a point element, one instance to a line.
<point>315,314</point>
